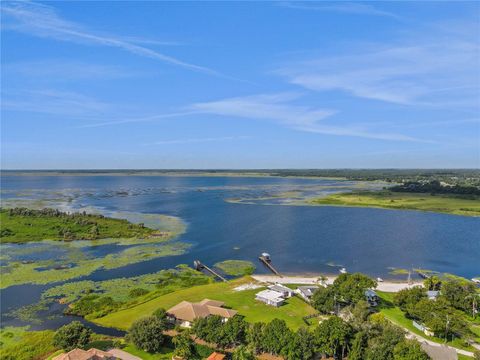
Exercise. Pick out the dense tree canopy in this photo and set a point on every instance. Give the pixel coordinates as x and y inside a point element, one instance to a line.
<point>71,336</point>
<point>147,334</point>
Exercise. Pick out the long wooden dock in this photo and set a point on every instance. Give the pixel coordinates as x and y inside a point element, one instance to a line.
<point>199,266</point>
<point>267,262</point>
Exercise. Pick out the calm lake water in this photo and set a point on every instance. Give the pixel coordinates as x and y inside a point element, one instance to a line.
<point>301,239</point>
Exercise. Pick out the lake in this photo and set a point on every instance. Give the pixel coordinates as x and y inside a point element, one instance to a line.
<point>258,217</point>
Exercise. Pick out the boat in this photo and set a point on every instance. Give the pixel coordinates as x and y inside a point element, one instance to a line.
<point>343,270</point>
<point>266,256</point>
<point>476,280</point>
<point>379,279</point>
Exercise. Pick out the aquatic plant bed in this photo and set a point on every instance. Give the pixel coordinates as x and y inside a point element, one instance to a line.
<point>468,206</point>
<point>242,301</point>
<point>236,267</point>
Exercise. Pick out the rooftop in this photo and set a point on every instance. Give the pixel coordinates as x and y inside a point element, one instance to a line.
<point>90,354</point>
<point>270,295</point>
<point>190,311</point>
<point>216,356</point>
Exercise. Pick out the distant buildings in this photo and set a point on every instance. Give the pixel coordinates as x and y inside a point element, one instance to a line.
<point>186,312</point>
<point>306,292</point>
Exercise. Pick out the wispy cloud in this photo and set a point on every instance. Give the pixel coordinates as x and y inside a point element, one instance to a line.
<point>438,70</point>
<point>138,119</point>
<point>198,140</point>
<point>341,7</point>
<point>43,21</point>
<point>60,70</point>
<point>278,108</point>
<point>55,102</point>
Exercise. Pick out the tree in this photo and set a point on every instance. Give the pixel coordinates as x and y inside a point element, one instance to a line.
<point>184,345</point>
<point>255,337</point>
<point>351,287</point>
<point>161,314</point>
<point>234,331</point>
<point>460,294</point>
<point>323,299</point>
<point>242,353</point>
<point>407,299</point>
<point>359,344</point>
<point>209,329</point>
<point>381,347</point>
<point>72,335</point>
<point>332,336</point>
<point>409,350</point>
<point>276,336</point>
<point>147,334</point>
<point>432,283</point>
<point>300,346</point>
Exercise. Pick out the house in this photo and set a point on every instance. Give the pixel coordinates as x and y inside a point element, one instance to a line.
<point>216,356</point>
<point>371,297</point>
<point>423,328</point>
<point>90,354</point>
<point>306,292</point>
<point>270,297</point>
<point>186,312</point>
<point>282,289</point>
<point>439,352</point>
<point>433,294</point>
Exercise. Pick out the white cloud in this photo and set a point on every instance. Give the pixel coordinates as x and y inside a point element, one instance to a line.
<point>278,108</point>
<point>55,102</point>
<point>198,140</point>
<point>440,69</point>
<point>43,21</point>
<point>341,7</point>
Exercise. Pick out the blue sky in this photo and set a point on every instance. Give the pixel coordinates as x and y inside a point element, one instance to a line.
<point>240,85</point>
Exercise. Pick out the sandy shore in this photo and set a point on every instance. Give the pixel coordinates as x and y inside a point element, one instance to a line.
<point>389,286</point>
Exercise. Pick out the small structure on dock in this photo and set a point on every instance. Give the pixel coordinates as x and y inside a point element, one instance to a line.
<point>267,261</point>
<point>199,267</point>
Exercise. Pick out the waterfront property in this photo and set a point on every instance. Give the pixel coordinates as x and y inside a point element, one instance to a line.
<point>216,356</point>
<point>90,354</point>
<point>371,297</point>
<point>282,289</point>
<point>186,312</point>
<point>306,292</point>
<point>433,294</point>
<point>270,297</point>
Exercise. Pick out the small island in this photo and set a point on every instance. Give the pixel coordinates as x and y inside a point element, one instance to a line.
<point>466,205</point>
<point>21,225</point>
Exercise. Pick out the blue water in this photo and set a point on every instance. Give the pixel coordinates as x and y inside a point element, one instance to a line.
<point>301,239</point>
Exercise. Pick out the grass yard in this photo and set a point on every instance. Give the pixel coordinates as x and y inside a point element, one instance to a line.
<point>242,301</point>
<point>404,201</point>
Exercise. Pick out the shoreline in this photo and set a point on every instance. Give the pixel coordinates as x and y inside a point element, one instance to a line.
<point>387,286</point>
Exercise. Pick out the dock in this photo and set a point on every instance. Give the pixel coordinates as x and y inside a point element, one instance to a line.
<point>199,267</point>
<point>423,275</point>
<point>265,259</point>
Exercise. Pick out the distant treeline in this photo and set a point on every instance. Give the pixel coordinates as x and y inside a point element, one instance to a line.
<point>435,187</point>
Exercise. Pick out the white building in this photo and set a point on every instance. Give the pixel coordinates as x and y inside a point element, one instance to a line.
<point>282,289</point>
<point>270,297</point>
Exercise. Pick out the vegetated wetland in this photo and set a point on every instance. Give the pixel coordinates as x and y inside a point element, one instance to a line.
<point>213,219</point>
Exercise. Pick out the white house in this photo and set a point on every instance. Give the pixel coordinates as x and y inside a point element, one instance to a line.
<point>306,292</point>
<point>282,289</point>
<point>270,297</point>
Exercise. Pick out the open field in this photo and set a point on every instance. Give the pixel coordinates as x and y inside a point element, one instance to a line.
<point>403,201</point>
<point>243,301</point>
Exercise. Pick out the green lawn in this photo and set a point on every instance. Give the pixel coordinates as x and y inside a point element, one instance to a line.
<point>242,301</point>
<point>404,201</point>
